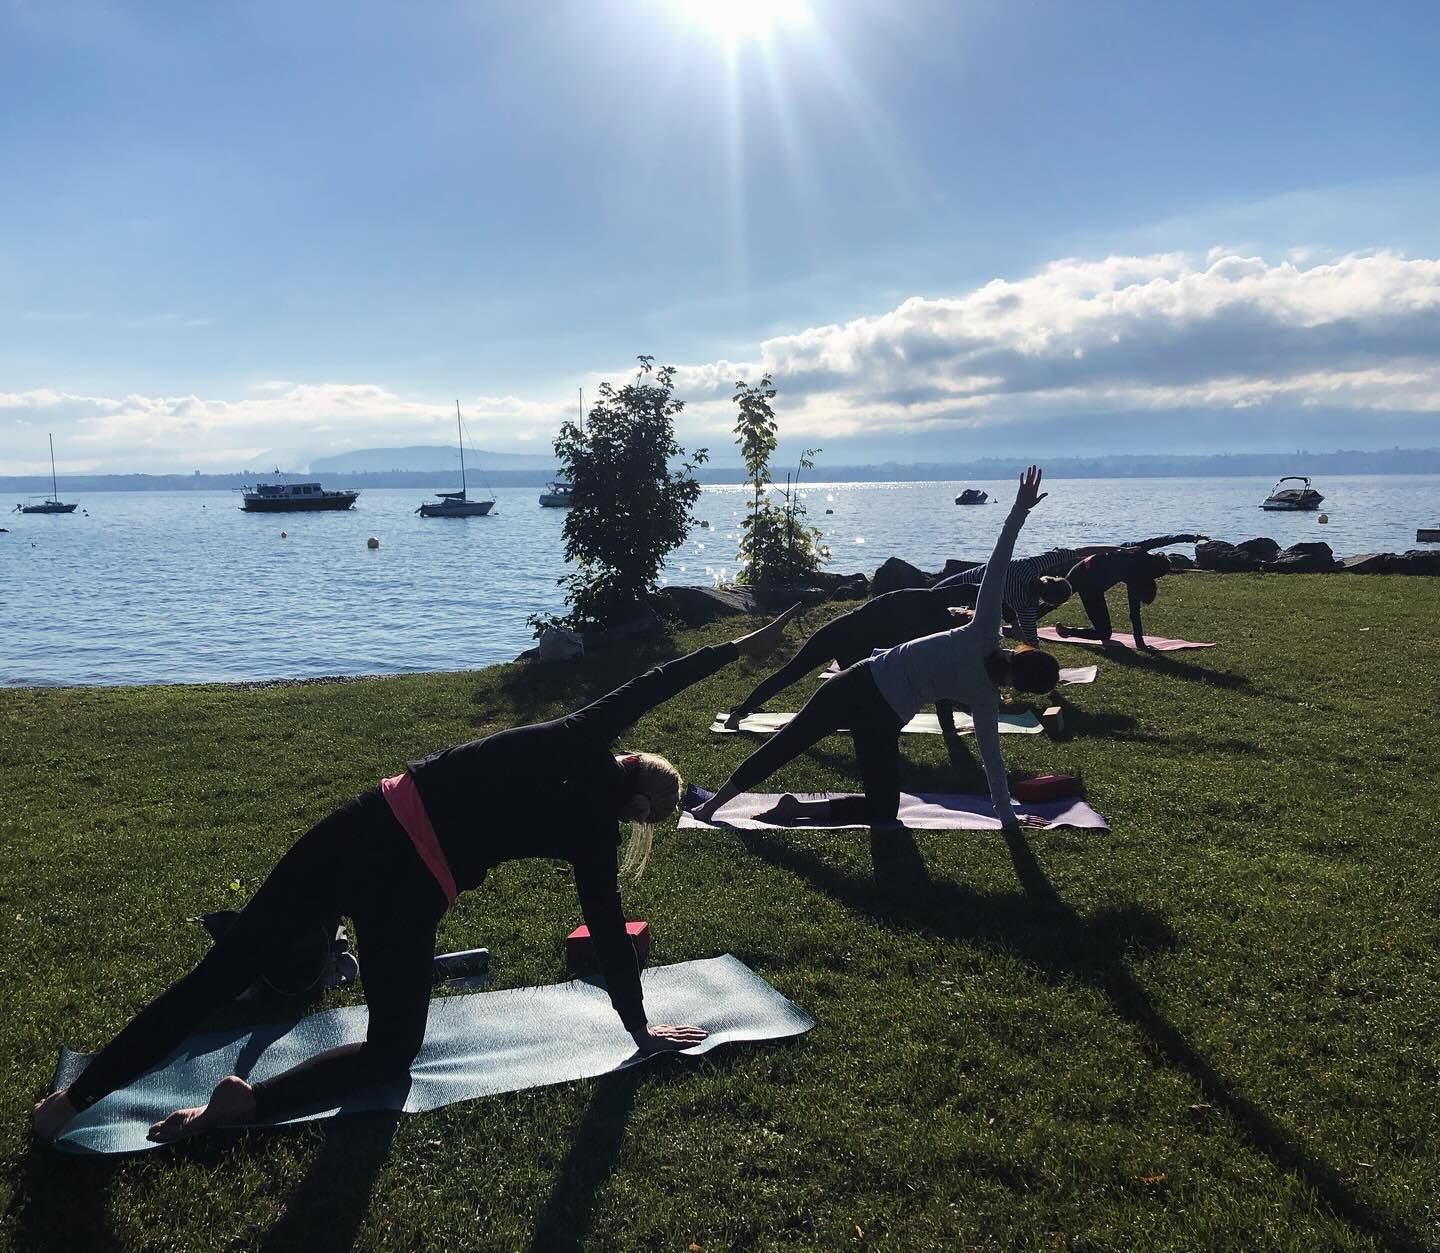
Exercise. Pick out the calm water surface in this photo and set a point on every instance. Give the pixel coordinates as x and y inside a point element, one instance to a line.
<point>183,587</point>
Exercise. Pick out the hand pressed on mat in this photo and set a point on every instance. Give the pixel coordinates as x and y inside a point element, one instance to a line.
<point>664,1038</point>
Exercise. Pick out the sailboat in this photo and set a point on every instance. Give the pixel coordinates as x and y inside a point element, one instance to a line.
<point>53,505</point>
<point>456,504</point>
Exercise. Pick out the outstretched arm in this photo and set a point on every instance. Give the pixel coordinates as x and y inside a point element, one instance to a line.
<point>1164,541</point>
<point>992,586</point>
<point>607,717</point>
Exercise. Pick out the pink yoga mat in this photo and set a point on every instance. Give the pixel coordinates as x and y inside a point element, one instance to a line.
<point>1157,642</point>
<point>921,811</point>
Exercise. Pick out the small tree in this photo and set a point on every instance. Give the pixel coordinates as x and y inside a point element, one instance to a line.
<point>629,507</point>
<point>775,544</point>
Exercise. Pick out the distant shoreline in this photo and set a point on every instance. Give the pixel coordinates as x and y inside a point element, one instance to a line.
<point>1239,465</point>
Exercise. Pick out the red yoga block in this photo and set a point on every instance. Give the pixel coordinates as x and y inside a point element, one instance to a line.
<point>1047,787</point>
<point>579,950</point>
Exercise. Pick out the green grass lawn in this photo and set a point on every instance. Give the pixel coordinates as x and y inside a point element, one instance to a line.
<point>1213,1027</point>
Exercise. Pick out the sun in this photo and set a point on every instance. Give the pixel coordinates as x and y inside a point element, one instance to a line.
<point>734,20</point>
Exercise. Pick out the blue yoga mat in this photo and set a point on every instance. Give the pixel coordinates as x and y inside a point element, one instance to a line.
<point>476,1045</point>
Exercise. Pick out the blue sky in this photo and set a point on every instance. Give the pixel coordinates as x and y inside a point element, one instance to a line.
<point>247,229</point>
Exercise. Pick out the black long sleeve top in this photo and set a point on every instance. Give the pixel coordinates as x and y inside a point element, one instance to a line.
<point>894,618</point>
<point>553,790</point>
<point>1128,564</point>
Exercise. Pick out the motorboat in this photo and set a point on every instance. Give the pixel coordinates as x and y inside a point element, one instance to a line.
<point>53,503</point>
<point>456,504</point>
<point>285,497</point>
<point>972,496</point>
<point>557,496</point>
<point>1292,499</point>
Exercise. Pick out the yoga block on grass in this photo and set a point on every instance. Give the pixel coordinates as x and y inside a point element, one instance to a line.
<point>580,950</point>
<point>1047,787</point>
<point>1053,720</point>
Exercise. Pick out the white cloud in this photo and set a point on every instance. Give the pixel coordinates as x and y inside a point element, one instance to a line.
<point>163,433</point>
<point>1141,335</point>
<point>1145,333</point>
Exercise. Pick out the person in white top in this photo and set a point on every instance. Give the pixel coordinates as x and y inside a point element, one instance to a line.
<point>877,696</point>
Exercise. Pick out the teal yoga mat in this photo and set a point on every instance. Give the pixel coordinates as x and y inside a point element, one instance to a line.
<point>476,1045</point>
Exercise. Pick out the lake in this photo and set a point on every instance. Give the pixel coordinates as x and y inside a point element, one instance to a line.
<point>184,587</point>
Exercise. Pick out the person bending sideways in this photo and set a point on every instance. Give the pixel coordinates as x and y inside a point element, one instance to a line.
<point>393,860</point>
<point>1134,565</point>
<point>877,696</point>
<point>894,618</point>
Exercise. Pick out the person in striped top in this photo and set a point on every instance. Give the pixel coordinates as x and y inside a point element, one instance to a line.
<point>1033,586</point>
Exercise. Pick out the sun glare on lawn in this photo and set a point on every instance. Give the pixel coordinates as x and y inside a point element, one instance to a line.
<point>733,20</point>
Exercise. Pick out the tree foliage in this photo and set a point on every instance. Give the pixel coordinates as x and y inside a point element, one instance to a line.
<point>630,508</point>
<point>776,545</point>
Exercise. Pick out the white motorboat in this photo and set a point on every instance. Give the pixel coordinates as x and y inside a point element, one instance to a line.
<point>557,496</point>
<point>1292,499</point>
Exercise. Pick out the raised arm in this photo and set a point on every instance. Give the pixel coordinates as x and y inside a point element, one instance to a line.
<point>992,586</point>
<point>607,717</point>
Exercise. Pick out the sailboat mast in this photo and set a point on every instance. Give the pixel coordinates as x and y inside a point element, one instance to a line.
<point>461,437</point>
<point>54,490</point>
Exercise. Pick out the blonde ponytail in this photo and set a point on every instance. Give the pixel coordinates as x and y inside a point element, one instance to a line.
<point>659,785</point>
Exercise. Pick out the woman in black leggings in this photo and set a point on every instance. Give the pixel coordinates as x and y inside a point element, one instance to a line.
<point>393,860</point>
<point>875,697</point>
<point>1134,565</point>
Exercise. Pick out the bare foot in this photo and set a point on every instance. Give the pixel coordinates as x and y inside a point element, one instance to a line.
<point>732,723</point>
<point>233,1101</point>
<point>50,1115</point>
<point>706,811</point>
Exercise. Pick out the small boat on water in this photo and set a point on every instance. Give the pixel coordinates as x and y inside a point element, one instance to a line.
<point>52,504</point>
<point>284,497</point>
<point>1292,499</point>
<point>456,504</point>
<point>557,496</point>
<point>972,496</point>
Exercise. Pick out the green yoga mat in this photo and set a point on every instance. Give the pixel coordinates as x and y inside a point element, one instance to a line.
<point>476,1045</point>
<point>1023,723</point>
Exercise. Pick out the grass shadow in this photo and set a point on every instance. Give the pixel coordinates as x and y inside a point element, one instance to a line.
<point>1037,925</point>
<point>569,1210</point>
<point>325,1209</point>
<point>59,1203</point>
<point>1172,667</point>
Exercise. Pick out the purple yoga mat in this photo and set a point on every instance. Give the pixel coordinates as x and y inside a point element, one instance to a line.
<point>1071,674</point>
<point>1157,642</point>
<point>920,811</point>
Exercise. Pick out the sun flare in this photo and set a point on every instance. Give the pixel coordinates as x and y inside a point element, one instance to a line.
<point>744,19</point>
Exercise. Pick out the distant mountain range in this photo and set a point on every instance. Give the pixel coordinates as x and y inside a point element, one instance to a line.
<point>428,458</point>
<point>388,469</point>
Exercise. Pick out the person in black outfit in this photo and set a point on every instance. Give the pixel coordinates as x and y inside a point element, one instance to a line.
<point>480,799</point>
<point>1134,565</point>
<point>894,618</point>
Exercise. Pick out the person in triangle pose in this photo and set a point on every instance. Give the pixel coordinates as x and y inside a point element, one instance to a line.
<point>878,695</point>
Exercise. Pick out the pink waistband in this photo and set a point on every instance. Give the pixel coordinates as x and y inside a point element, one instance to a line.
<point>403,797</point>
